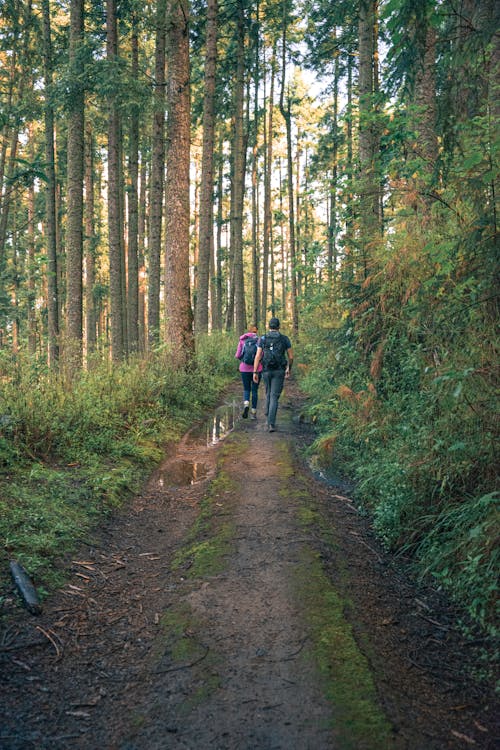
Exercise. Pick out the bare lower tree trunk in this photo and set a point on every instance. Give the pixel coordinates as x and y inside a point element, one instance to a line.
<point>268,225</point>
<point>90,245</point>
<point>50,195</point>
<point>206,235</point>
<point>286,111</point>
<point>74,222</point>
<point>157,177</point>
<point>114,209</point>
<point>238,179</point>
<point>179,316</point>
<point>368,185</point>
<point>133,210</point>
<point>143,212</point>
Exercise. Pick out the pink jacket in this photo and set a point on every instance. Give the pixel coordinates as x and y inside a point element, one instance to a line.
<point>244,367</point>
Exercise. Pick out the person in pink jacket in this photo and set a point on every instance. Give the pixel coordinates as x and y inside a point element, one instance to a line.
<point>247,347</point>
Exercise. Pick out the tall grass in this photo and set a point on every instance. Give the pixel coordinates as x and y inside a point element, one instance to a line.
<point>420,446</point>
<point>70,452</point>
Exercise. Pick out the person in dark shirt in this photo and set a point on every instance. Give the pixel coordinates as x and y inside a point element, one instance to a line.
<point>274,352</point>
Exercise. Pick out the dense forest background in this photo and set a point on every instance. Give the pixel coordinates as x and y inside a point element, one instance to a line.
<point>170,172</point>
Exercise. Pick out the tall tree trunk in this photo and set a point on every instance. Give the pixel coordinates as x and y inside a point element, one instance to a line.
<point>238,152</point>
<point>179,316</point>
<point>31,260</point>
<point>332,223</point>
<point>369,196</point>
<point>206,236</point>
<point>286,111</point>
<point>255,181</point>
<point>218,248</point>
<point>143,212</point>
<point>90,244</point>
<point>74,222</point>
<point>268,168</point>
<point>349,197</point>
<point>157,177</point>
<point>50,194</point>
<point>133,210</point>
<point>114,208</point>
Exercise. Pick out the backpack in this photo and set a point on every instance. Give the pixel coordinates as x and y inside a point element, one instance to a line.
<point>273,351</point>
<point>249,350</point>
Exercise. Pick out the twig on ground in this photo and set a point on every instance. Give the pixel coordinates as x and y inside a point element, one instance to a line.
<point>184,666</point>
<point>49,634</point>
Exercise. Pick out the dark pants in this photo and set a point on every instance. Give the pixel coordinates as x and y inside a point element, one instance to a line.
<point>247,380</point>
<point>273,380</point>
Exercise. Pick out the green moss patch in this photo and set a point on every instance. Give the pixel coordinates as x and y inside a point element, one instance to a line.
<point>359,721</point>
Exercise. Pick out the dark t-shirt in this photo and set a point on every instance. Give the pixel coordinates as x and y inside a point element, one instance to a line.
<point>286,342</point>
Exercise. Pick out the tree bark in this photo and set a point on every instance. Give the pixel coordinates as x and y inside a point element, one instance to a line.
<point>114,208</point>
<point>368,189</point>
<point>157,177</point>
<point>268,224</point>
<point>238,178</point>
<point>90,245</point>
<point>133,209</point>
<point>50,195</point>
<point>206,232</point>
<point>74,222</point>
<point>179,316</point>
<point>286,111</point>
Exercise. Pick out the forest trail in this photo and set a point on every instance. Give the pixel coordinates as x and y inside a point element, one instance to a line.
<point>247,607</point>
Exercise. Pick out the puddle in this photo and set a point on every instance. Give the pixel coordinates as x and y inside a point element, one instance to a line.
<point>185,472</point>
<point>220,424</point>
<point>182,474</point>
<point>329,477</point>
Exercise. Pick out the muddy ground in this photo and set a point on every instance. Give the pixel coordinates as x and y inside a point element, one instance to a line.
<point>239,603</point>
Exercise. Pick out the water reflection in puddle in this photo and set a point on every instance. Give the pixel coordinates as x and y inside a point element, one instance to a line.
<point>219,424</point>
<point>182,474</point>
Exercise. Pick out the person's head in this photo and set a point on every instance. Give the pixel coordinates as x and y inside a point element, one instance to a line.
<point>274,324</point>
<point>253,329</point>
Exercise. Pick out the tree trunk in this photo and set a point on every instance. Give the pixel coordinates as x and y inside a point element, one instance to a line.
<point>268,225</point>
<point>369,199</point>
<point>157,177</point>
<point>238,179</point>
<point>179,316</point>
<point>50,195</point>
<point>114,208</point>
<point>141,229</point>
<point>74,221</point>
<point>255,184</point>
<point>206,236</point>
<point>287,116</point>
<point>133,210</point>
<point>90,245</point>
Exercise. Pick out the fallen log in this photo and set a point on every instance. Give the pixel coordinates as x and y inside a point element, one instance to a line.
<point>25,588</point>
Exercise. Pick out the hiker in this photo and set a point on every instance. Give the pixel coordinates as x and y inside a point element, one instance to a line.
<point>247,348</point>
<point>275,356</point>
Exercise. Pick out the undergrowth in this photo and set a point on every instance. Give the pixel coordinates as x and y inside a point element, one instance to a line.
<point>411,421</point>
<point>72,451</point>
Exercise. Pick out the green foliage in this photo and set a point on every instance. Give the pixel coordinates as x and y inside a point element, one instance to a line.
<point>69,452</point>
<point>404,394</point>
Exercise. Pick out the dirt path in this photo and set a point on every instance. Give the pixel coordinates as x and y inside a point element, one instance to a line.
<point>248,608</point>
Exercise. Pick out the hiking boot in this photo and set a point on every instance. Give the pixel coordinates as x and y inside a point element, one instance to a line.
<point>245,410</point>
<point>253,415</point>
<point>272,428</point>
